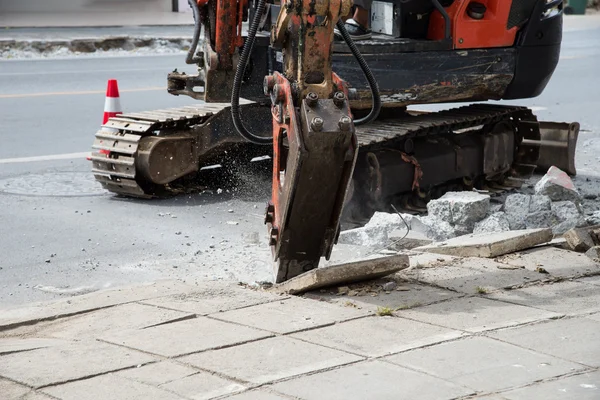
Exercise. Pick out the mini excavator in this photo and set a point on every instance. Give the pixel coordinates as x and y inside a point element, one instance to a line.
<point>332,114</point>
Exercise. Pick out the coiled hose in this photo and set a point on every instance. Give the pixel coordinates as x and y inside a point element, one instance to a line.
<point>237,80</point>
<point>376,97</point>
<point>239,73</point>
<point>191,55</point>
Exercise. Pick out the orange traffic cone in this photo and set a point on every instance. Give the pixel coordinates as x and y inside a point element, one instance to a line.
<point>112,104</point>
<point>112,107</point>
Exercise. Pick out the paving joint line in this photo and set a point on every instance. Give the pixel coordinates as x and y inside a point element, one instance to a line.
<point>541,352</point>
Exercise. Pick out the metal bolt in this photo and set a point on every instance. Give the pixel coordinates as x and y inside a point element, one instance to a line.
<point>268,84</point>
<point>460,40</point>
<point>339,98</point>
<point>312,99</point>
<point>273,236</point>
<point>317,124</point>
<point>345,123</point>
<point>269,214</point>
<point>278,94</point>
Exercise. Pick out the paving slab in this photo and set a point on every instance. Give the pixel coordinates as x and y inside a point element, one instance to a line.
<point>111,387</point>
<point>11,390</point>
<point>378,336</point>
<point>117,318</point>
<point>476,314</point>
<point>38,368</point>
<point>557,262</point>
<point>257,395</point>
<point>202,386</point>
<point>16,316</point>
<point>291,315</point>
<point>490,244</point>
<point>573,339</point>
<point>214,298</point>
<point>468,275</point>
<point>371,380</point>
<point>425,260</point>
<point>158,373</point>
<point>569,298</point>
<point>16,344</point>
<point>185,337</point>
<point>346,273</point>
<point>478,362</point>
<point>269,360</point>
<point>584,386</point>
<point>595,317</point>
<point>405,295</point>
<point>36,396</point>
<point>592,280</point>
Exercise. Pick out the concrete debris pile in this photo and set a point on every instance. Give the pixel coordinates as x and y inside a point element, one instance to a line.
<point>555,204</point>
<point>25,49</point>
<point>585,240</point>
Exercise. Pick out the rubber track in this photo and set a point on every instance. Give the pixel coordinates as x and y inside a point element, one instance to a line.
<point>121,135</point>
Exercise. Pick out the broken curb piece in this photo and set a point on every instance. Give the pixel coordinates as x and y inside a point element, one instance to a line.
<point>343,274</point>
<point>489,245</point>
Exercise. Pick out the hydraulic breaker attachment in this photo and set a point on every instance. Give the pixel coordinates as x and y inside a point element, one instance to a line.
<point>314,152</point>
<point>314,140</point>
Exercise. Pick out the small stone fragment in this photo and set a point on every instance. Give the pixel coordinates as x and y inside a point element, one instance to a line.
<point>517,204</point>
<point>567,216</point>
<point>343,290</point>
<point>579,239</point>
<point>438,230</point>
<point>539,219</point>
<point>593,253</point>
<point>460,208</point>
<point>557,185</point>
<point>540,203</point>
<point>370,237</point>
<point>496,222</point>
<point>388,220</point>
<point>516,208</point>
<point>594,218</point>
<point>389,286</point>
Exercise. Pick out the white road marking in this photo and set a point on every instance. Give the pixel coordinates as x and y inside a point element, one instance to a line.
<point>67,156</point>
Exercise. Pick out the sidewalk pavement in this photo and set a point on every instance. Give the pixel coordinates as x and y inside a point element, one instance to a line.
<point>526,326</point>
<point>93,19</point>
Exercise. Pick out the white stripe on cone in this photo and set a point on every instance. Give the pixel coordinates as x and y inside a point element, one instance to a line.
<point>112,105</point>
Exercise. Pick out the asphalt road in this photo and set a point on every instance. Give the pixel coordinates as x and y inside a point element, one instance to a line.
<point>61,234</point>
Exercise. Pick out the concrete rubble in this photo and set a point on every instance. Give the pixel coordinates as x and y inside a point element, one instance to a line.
<point>557,185</point>
<point>343,274</point>
<point>584,240</point>
<point>556,204</point>
<point>490,245</point>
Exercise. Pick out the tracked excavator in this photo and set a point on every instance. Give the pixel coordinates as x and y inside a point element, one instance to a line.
<point>332,114</point>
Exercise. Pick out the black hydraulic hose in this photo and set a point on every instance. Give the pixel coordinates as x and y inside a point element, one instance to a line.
<point>376,107</point>
<point>191,56</point>
<point>237,81</point>
<point>239,73</point>
<point>446,17</point>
